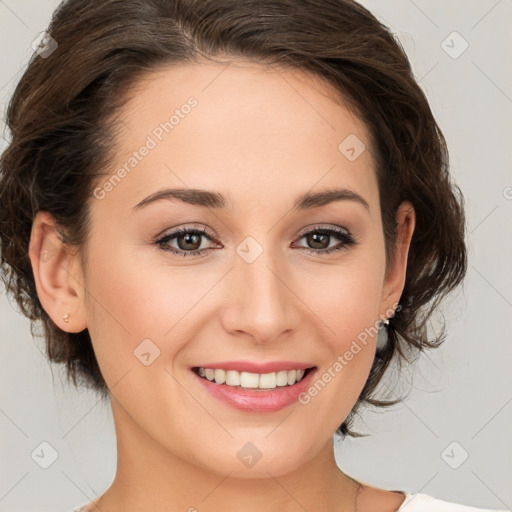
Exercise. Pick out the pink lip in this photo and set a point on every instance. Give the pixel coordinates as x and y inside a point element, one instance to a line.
<point>247,366</point>
<point>249,400</point>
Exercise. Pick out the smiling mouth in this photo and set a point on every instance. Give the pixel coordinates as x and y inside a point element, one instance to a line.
<point>254,381</point>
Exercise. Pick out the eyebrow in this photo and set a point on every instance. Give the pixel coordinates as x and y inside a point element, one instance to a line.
<point>210,199</point>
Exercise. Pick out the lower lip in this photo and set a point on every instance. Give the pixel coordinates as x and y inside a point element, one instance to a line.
<point>258,401</point>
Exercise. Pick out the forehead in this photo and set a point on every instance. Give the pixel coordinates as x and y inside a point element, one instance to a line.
<point>225,126</point>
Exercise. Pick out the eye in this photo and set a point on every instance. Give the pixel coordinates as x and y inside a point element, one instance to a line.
<point>189,241</point>
<point>319,238</point>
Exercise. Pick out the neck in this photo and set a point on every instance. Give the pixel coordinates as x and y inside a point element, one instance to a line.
<point>150,477</point>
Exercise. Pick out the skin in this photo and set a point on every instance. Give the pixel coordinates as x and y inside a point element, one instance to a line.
<point>262,137</point>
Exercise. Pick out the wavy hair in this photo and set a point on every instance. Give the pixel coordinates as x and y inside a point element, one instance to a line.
<point>62,123</point>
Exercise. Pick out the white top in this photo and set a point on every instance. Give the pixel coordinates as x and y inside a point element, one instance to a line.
<point>418,503</point>
<point>425,503</point>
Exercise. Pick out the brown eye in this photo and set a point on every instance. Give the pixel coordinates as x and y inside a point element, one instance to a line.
<point>318,240</point>
<point>188,240</point>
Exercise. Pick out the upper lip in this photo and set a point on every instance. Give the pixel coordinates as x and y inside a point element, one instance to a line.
<point>253,367</point>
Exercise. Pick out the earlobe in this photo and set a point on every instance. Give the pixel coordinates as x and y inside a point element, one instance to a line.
<point>395,276</point>
<point>56,274</point>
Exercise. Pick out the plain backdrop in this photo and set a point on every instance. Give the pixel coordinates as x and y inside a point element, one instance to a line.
<point>451,437</point>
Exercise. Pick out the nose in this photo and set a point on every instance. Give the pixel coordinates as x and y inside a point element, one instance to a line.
<point>261,305</point>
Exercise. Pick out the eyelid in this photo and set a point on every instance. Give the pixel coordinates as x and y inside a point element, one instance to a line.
<point>187,227</point>
<point>323,227</point>
<point>332,231</point>
<point>180,231</point>
<point>345,237</point>
<point>211,235</point>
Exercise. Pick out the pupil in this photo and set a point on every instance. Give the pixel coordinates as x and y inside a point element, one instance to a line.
<point>187,237</point>
<point>314,238</point>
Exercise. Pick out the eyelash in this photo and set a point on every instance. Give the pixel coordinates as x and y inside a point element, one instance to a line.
<point>343,235</point>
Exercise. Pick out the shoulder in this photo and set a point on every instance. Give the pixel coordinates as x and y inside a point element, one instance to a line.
<point>425,503</point>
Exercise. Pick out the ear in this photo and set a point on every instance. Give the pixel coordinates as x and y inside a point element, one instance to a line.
<point>57,274</point>
<point>395,276</point>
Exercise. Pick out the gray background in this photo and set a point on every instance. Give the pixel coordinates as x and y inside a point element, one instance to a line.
<point>459,402</point>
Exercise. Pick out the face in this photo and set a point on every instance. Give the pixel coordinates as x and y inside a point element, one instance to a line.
<point>258,280</point>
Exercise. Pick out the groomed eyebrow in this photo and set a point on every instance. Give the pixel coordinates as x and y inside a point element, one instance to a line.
<point>209,199</point>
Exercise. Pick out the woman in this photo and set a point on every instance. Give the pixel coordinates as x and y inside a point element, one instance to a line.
<point>230,217</point>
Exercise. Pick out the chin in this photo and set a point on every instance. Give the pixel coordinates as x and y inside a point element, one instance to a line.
<point>256,459</point>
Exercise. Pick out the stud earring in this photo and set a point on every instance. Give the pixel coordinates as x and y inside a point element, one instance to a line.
<point>382,338</point>
<point>66,318</point>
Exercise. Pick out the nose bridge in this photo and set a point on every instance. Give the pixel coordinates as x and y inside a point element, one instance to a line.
<point>262,304</point>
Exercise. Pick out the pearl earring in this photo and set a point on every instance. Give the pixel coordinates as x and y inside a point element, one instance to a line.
<point>66,318</point>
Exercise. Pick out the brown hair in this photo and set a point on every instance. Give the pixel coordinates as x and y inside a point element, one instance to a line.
<point>62,123</point>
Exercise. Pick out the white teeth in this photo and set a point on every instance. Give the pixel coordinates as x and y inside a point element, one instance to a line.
<point>220,376</point>
<point>249,380</point>
<point>268,380</point>
<point>282,378</point>
<point>232,378</point>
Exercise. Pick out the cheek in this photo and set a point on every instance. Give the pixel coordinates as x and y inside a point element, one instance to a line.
<point>347,303</point>
<point>124,307</point>
<point>134,298</point>
<point>129,293</point>
<point>346,297</point>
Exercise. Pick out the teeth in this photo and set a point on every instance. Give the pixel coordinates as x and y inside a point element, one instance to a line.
<point>220,376</point>
<point>249,380</point>
<point>232,378</point>
<point>268,380</point>
<point>292,377</point>
<point>282,378</point>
